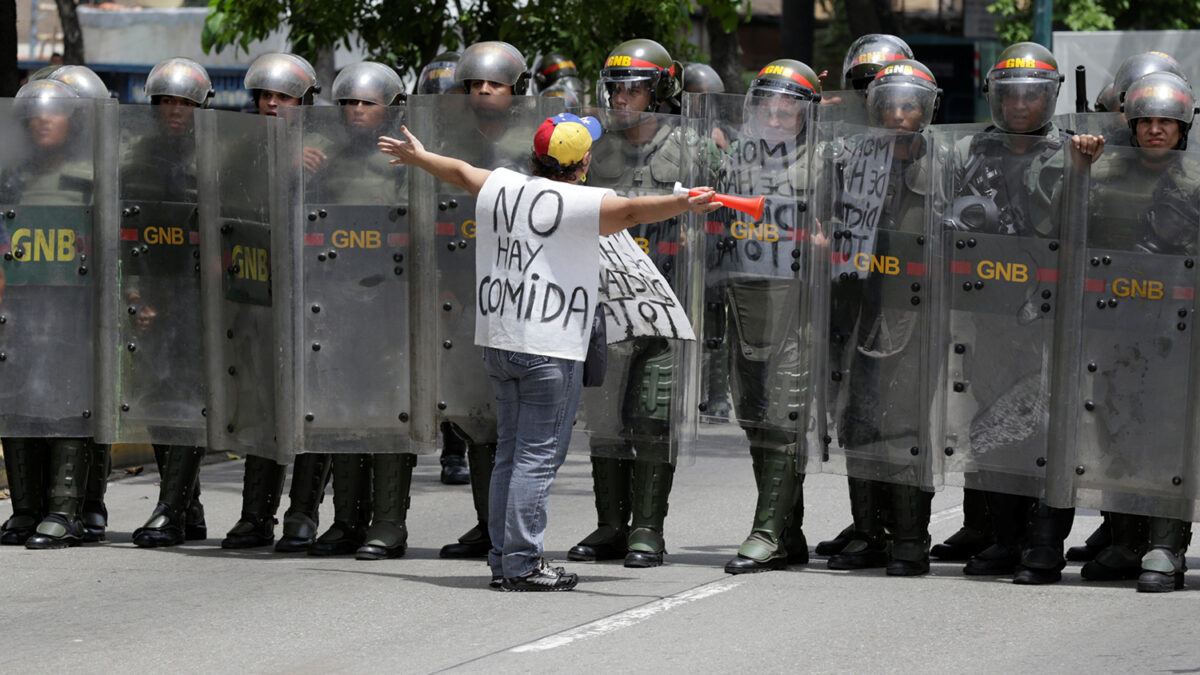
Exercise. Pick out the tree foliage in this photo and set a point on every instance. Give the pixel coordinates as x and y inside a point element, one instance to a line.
<point>410,33</point>
<point>1015,17</point>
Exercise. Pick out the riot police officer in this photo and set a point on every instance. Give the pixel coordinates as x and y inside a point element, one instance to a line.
<point>763,296</point>
<point>278,80</point>
<point>868,55</point>
<point>437,77</point>
<point>161,167</point>
<point>555,70</point>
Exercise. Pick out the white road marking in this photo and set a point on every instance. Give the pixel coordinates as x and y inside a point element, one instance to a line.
<point>625,619</point>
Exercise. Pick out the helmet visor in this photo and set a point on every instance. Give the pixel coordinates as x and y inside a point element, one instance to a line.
<point>1021,104</point>
<point>903,106</point>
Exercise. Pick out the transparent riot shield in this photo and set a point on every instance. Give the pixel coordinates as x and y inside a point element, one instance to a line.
<point>756,330</point>
<point>236,171</point>
<point>488,132</point>
<point>49,198</point>
<point>1128,344</point>
<point>341,290</point>
<point>155,301</point>
<point>998,204</point>
<point>870,195</point>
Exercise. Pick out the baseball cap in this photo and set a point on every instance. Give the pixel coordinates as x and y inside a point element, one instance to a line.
<point>566,138</point>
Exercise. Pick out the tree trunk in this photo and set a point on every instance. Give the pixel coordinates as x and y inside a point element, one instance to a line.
<point>8,55</point>
<point>72,33</point>
<point>725,55</point>
<point>796,30</point>
<point>326,71</point>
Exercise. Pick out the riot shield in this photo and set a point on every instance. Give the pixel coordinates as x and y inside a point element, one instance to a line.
<point>757,298</point>
<point>871,192</point>
<point>1129,343</point>
<point>236,171</point>
<point>49,198</point>
<point>490,134</point>
<point>155,304</point>
<point>341,288</point>
<point>998,204</point>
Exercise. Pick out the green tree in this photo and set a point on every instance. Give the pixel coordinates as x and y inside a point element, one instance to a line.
<point>1015,17</point>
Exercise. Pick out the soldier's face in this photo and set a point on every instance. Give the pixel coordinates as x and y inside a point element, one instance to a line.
<point>778,117</point>
<point>1023,109</point>
<point>362,115</point>
<point>49,130</point>
<point>269,102</point>
<point>1158,135</point>
<point>175,113</point>
<point>490,99</point>
<point>633,96</point>
<point>903,115</point>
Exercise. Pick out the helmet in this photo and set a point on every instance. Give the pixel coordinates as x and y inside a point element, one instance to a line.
<point>640,60</point>
<point>901,83</point>
<point>180,77</point>
<point>81,78</point>
<point>43,73</point>
<point>1025,72</point>
<point>700,78</point>
<point>868,55</point>
<point>1160,94</point>
<point>549,69</point>
<point>1138,65</point>
<point>494,62</point>
<point>1106,100</point>
<point>561,90</point>
<point>368,81</point>
<point>287,74</point>
<point>44,97</point>
<point>782,87</point>
<point>437,77</point>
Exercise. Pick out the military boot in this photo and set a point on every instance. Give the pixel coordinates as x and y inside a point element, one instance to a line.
<point>25,466</point>
<point>910,531</point>
<point>62,527</point>
<point>975,534</point>
<point>95,513</point>
<point>651,490</point>
<point>454,457</point>
<point>1010,517</point>
<point>392,484</point>
<point>310,475</point>
<point>1164,564</point>
<point>1042,559</point>
<point>178,467</point>
<point>793,538</point>
<point>612,481</point>
<point>262,488</point>
<point>476,542</point>
<point>1122,558</point>
<point>778,481</point>
<point>867,547</point>
<point>351,506</point>
<point>830,546</point>
<point>194,528</point>
<point>1097,541</point>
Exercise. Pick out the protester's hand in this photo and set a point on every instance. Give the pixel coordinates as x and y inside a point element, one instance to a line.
<point>1088,145</point>
<point>405,151</point>
<point>702,202</point>
<point>314,160</point>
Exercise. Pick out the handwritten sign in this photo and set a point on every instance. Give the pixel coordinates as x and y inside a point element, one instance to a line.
<point>864,187</point>
<point>638,301</point>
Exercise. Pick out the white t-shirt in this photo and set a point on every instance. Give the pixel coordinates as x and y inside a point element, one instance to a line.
<point>537,264</point>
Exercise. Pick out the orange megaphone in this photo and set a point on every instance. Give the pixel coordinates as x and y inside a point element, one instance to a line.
<point>751,206</point>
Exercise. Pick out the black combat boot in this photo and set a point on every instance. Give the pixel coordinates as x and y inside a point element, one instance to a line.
<point>651,491</point>
<point>1128,537</point>
<point>1010,519</point>
<point>310,475</point>
<point>975,534</point>
<point>62,526</point>
<point>476,542</point>
<point>612,482</point>
<point>867,547</point>
<point>1042,559</point>
<point>793,537</point>
<point>778,486</point>
<point>194,528</point>
<point>95,514</point>
<point>1164,564</point>
<point>828,547</point>
<point>25,465</point>
<point>351,506</point>
<point>178,467</point>
<point>454,457</point>
<point>910,531</point>
<point>1097,541</point>
<point>262,488</point>
<point>392,484</point>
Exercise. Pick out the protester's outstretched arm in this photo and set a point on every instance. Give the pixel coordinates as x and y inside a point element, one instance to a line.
<point>456,172</point>
<point>619,213</point>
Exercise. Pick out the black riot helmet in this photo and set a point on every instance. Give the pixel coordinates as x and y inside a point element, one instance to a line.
<point>1106,100</point>
<point>700,78</point>
<point>902,85</point>
<point>551,68</point>
<point>437,77</point>
<point>1161,94</point>
<point>1138,65</point>
<point>493,61</point>
<point>637,63</point>
<point>868,55</point>
<point>1022,88</point>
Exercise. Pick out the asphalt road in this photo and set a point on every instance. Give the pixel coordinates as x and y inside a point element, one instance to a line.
<point>195,608</point>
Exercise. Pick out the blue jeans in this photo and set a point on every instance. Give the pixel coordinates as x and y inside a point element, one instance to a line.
<point>536,399</point>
